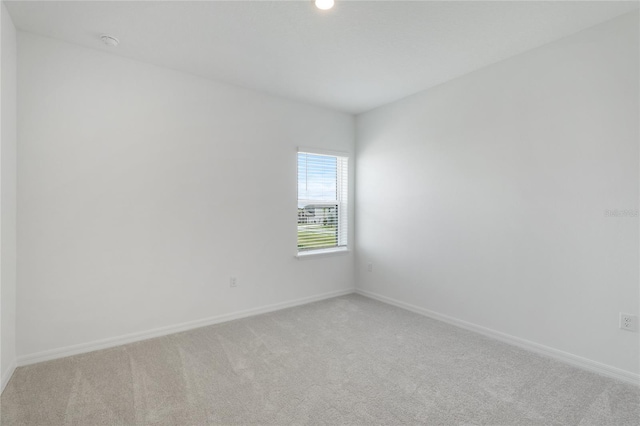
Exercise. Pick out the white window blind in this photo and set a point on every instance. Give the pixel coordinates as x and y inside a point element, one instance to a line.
<point>322,201</point>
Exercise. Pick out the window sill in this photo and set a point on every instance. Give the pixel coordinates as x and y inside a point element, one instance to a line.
<point>312,254</point>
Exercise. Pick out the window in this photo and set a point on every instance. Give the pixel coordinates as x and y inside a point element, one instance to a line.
<point>322,202</point>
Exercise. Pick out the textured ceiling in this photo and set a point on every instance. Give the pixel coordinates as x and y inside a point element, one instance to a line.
<point>355,57</point>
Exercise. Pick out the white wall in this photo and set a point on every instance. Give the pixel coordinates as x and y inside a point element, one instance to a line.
<point>8,148</point>
<point>142,190</point>
<point>483,199</point>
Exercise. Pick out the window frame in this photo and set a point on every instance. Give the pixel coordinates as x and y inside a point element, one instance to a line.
<point>342,201</point>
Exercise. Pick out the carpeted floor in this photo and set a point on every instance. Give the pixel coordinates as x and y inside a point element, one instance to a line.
<point>348,360</point>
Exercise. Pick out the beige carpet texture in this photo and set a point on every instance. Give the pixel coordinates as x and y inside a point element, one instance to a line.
<point>347,360</point>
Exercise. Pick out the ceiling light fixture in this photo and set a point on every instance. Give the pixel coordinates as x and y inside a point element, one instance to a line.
<point>324,4</point>
<point>110,41</point>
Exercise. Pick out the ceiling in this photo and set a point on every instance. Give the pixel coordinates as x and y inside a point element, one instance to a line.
<point>353,58</point>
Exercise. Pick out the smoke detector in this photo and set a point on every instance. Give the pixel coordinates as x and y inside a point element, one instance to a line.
<point>108,40</point>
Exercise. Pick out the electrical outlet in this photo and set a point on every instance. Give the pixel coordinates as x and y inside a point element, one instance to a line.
<point>233,282</point>
<point>370,267</point>
<point>628,322</point>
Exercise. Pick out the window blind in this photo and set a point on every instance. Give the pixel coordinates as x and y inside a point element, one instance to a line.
<point>322,201</point>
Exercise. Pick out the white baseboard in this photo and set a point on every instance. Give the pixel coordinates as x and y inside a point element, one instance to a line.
<point>568,358</point>
<point>6,376</point>
<point>163,331</point>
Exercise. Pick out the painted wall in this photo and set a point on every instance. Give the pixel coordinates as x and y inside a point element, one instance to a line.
<point>485,198</point>
<point>142,190</point>
<point>8,149</point>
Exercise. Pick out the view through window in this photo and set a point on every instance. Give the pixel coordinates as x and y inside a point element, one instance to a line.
<point>322,201</point>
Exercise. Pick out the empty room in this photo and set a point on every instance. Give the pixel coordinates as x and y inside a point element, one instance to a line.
<point>319,212</point>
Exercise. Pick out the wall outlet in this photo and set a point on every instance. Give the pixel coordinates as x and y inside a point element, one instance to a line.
<point>370,267</point>
<point>233,282</point>
<point>628,322</point>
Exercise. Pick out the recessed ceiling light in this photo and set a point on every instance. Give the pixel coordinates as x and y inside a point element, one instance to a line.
<point>324,4</point>
<point>108,40</point>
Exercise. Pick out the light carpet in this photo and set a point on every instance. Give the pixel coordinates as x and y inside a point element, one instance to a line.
<point>347,360</point>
